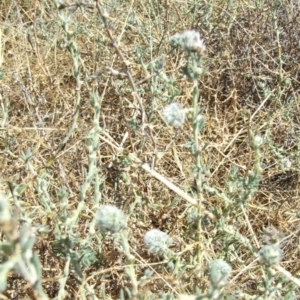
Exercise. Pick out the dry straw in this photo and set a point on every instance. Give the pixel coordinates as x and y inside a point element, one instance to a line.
<point>83,90</point>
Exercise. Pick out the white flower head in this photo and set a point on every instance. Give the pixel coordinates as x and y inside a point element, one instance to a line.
<point>286,163</point>
<point>174,114</point>
<point>157,241</point>
<point>189,40</point>
<point>219,272</point>
<point>192,41</point>
<point>109,218</point>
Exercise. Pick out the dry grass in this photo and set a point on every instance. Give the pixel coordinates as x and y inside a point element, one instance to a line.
<point>251,86</point>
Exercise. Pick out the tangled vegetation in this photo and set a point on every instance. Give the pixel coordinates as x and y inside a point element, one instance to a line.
<point>150,149</point>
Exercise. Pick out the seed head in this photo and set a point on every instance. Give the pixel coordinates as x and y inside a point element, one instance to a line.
<point>110,219</point>
<point>157,241</point>
<point>174,114</point>
<point>219,272</point>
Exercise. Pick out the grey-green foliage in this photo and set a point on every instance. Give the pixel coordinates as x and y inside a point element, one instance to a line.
<point>17,252</point>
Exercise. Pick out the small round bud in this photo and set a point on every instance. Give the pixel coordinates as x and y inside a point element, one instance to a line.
<point>270,254</point>
<point>157,241</point>
<point>286,163</point>
<point>176,40</point>
<point>174,114</point>
<point>257,142</point>
<point>219,272</point>
<point>110,219</point>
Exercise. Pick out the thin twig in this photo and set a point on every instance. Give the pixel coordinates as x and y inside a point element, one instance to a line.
<point>126,62</point>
